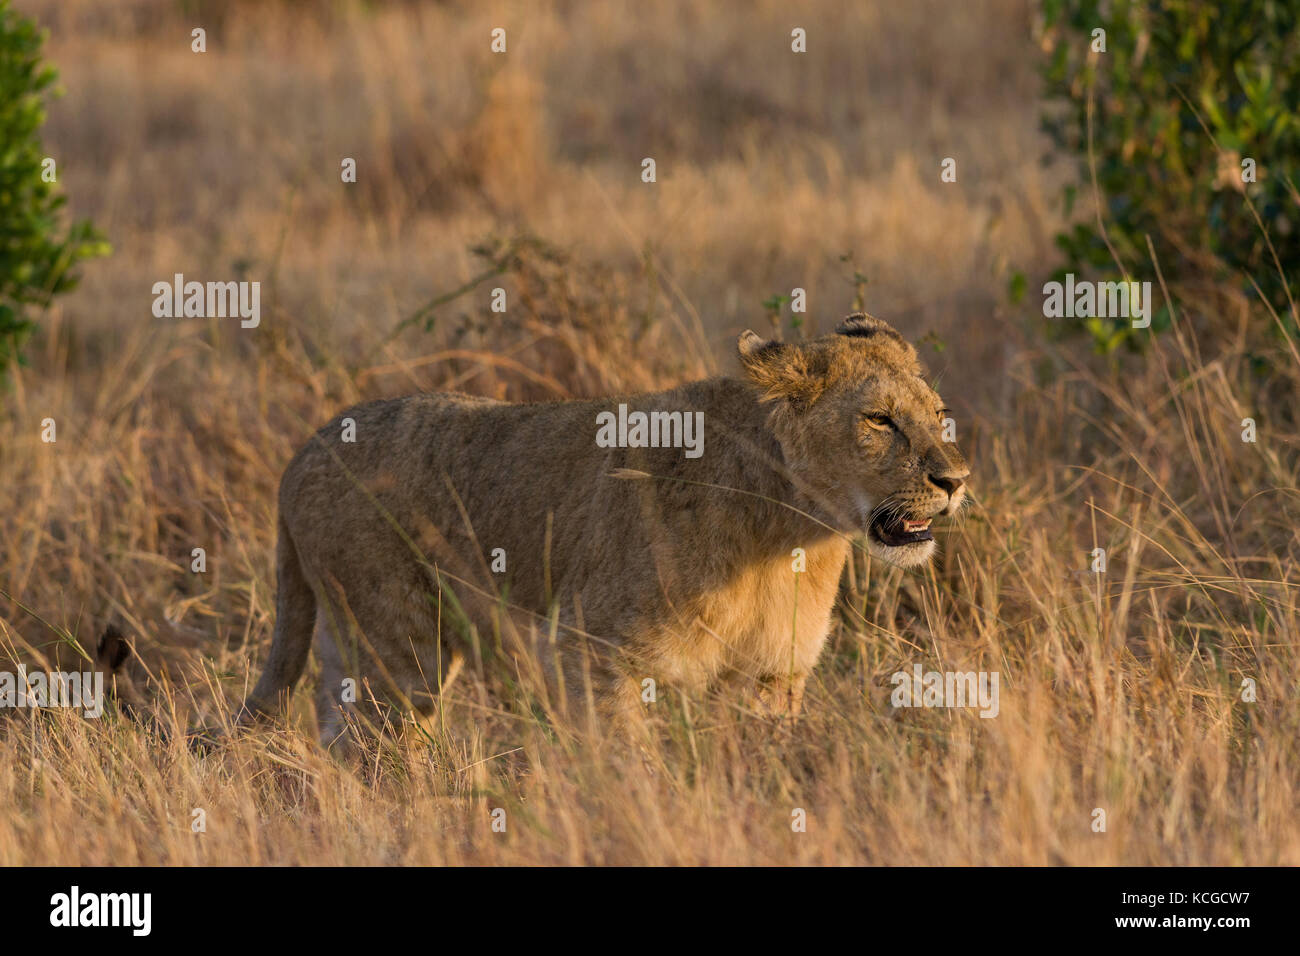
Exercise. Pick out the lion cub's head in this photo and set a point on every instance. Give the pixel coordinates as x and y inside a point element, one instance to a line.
<point>862,433</point>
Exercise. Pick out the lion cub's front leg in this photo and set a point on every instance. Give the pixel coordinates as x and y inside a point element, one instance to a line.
<point>781,695</point>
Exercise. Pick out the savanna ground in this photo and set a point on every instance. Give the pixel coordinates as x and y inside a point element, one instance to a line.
<point>1119,691</point>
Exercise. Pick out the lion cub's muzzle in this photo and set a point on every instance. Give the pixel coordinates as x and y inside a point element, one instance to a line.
<point>902,525</point>
<point>897,530</point>
<point>954,487</point>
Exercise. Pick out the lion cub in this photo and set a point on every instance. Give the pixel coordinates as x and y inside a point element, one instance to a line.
<point>596,539</point>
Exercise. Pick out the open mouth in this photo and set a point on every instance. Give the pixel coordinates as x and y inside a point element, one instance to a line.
<point>896,532</point>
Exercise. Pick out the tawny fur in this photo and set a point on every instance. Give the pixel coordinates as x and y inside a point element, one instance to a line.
<point>650,564</point>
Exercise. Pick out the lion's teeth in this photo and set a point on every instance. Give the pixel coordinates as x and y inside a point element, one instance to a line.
<point>910,526</point>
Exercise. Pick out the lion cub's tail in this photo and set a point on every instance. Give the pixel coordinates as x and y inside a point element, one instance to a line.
<point>295,618</point>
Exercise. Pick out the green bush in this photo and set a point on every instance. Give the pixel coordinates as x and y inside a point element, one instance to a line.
<point>1170,66</point>
<point>36,255</point>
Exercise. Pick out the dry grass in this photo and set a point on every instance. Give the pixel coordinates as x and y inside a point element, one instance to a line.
<point>1119,691</point>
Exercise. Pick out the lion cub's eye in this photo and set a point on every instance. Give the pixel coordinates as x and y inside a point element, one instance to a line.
<point>942,413</point>
<point>881,422</point>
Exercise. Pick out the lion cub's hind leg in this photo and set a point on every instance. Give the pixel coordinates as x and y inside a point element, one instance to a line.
<point>374,681</point>
<point>332,691</point>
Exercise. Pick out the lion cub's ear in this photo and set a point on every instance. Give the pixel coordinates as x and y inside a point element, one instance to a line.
<point>780,369</point>
<point>861,325</point>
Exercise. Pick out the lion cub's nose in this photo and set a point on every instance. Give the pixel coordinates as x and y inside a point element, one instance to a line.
<point>949,483</point>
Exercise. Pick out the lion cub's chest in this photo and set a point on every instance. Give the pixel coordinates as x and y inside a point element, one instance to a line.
<point>769,618</point>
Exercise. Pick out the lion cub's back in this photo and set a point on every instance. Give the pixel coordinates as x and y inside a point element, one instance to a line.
<point>384,452</point>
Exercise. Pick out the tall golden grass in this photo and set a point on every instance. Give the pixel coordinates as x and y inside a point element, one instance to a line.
<point>1119,691</point>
